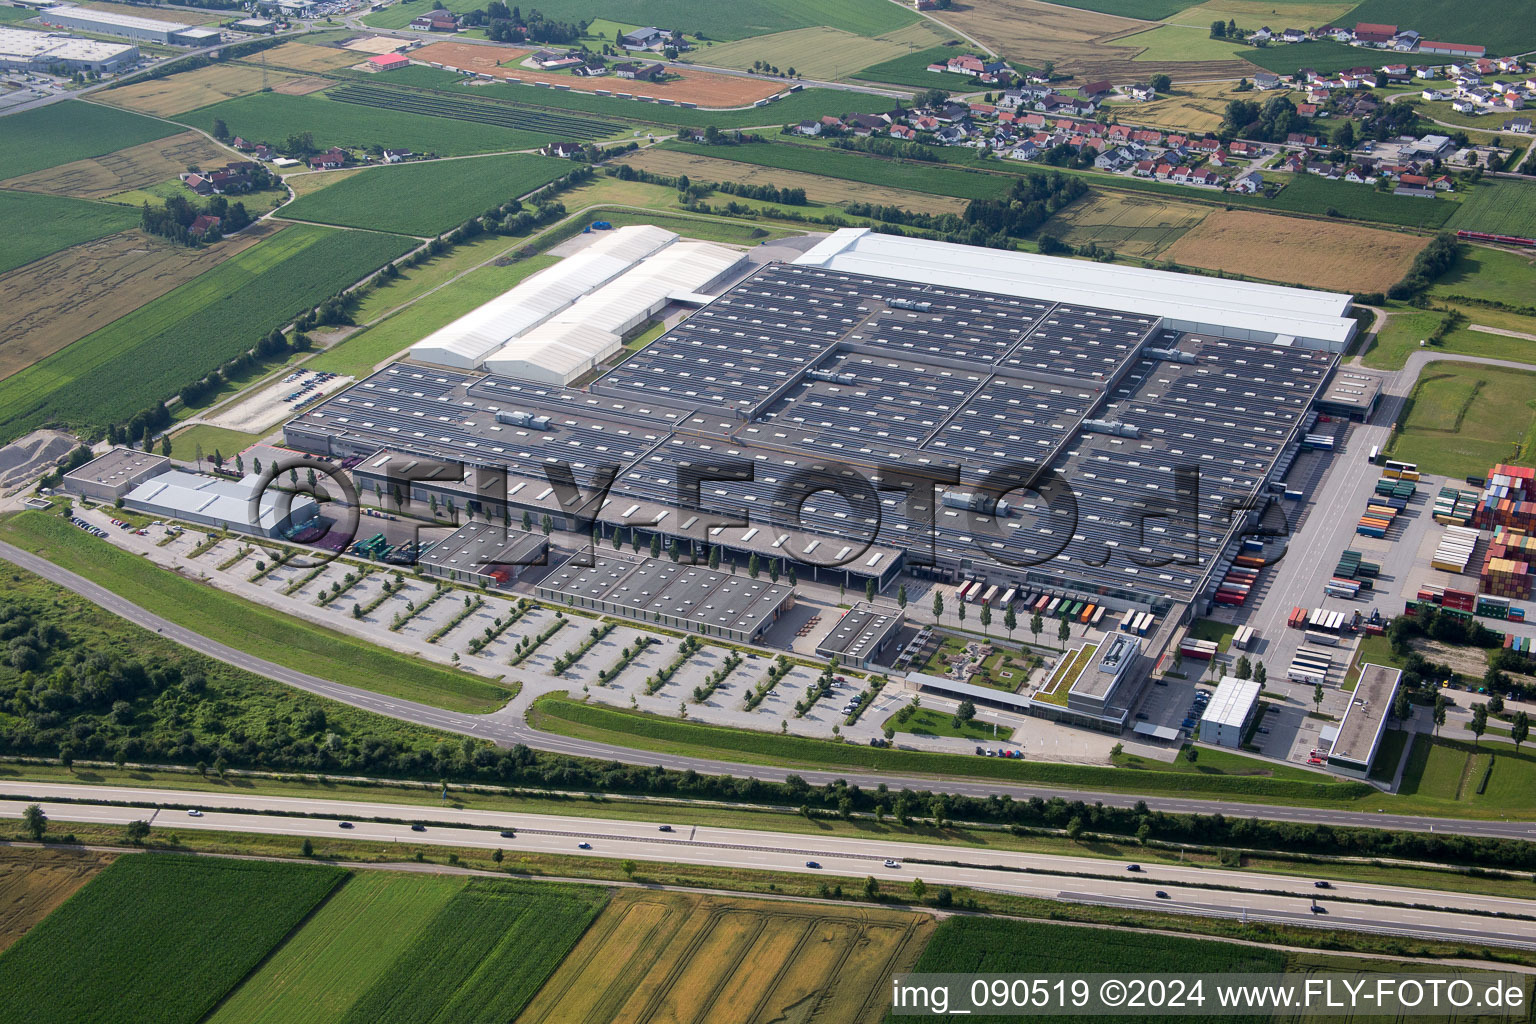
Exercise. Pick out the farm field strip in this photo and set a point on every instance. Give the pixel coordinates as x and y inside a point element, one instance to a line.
<point>39,225</point>
<point>546,123</point>
<point>189,90</point>
<point>34,882</point>
<point>138,166</point>
<point>1130,225</point>
<point>916,176</point>
<point>820,53</point>
<point>33,141</point>
<point>1504,207</point>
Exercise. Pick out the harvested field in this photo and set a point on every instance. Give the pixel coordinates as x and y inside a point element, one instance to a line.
<point>33,882</point>
<point>1079,42</point>
<point>131,168</point>
<point>1315,254</point>
<point>192,89</point>
<point>817,188</point>
<point>374,44</point>
<point>684,957</point>
<point>302,86</point>
<point>1295,13</point>
<point>704,88</point>
<point>821,53</point>
<point>305,182</point>
<point>1197,108</point>
<point>1130,225</point>
<point>306,57</point>
<point>61,298</point>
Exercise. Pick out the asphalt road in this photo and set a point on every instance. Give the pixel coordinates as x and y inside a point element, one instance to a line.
<point>507,728</point>
<point>1277,898</point>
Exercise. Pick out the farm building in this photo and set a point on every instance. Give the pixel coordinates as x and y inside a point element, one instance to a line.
<point>876,358</point>
<point>863,637</point>
<point>21,50</point>
<point>674,594</point>
<point>112,475</point>
<point>1230,712</point>
<point>218,502</point>
<point>388,62</point>
<point>560,323</point>
<point>484,554</point>
<point>1364,721</point>
<point>144,30</point>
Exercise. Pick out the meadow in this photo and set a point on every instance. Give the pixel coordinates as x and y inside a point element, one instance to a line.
<point>272,117</point>
<point>1502,207</point>
<point>1200,107</point>
<point>914,176</point>
<point>73,130</point>
<point>1146,10</point>
<point>710,21</point>
<point>1463,418</point>
<point>912,69</point>
<point>675,956</point>
<point>152,352</point>
<point>110,174</point>
<point>1179,44</point>
<point>346,948</point>
<point>821,53</point>
<point>1504,26</point>
<point>1131,225</point>
<point>1406,328</point>
<point>442,194</point>
<point>1310,193</point>
<point>256,629</point>
<point>170,932</point>
<point>1324,55</point>
<point>482,956</point>
<point>1494,275</point>
<point>37,225</point>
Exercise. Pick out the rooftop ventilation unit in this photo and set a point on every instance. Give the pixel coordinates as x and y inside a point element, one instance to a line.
<point>1111,427</point>
<point>983,503</point>
<point>518,418</point>
<point>1171,355</point>
<point>914,304</point>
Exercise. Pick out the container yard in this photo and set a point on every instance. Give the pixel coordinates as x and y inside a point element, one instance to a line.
<point>1509,499</point>
<point>1454,551</point>
<point>1455,506</point>
<point>1506,570</point>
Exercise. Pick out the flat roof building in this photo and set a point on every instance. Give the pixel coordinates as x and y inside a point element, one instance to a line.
<point>1230,712</point>
<point>862,636</point>
<point>42,52</point>
<point>675,594</point>
<point>484,554</point>
<point>1351,394</point>
<point>218,502</point>
<point>112,23</point>
<point>1364,721</point>
<point>113,474</point>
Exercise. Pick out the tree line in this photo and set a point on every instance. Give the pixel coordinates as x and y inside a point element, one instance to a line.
<point>174,218</point>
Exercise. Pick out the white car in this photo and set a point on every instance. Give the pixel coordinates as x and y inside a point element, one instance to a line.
<point>194,813</point>
<point>892,864</point>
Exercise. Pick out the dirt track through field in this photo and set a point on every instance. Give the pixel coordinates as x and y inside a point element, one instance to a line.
<point>135,167</point>
<point>704,88</point>
<point>61,298</point>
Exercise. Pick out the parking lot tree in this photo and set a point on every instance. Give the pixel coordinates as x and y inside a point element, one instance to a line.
<point>1036,626</point>
<point>656,546</point>
<point>714,557</point>
<point>218,460</point>
<point>1064,631</point>
<point>674,552</point>
<point>35,822</point>
<point>901,596</point>
<point>1244,668</point>
<point>547,524</point>
<point>1317,697</point>
<point>1519,729</point>
<point>1440,705</point>
<point>1260,674</point>
<point>791,575</point>
<point>527,521</point>
<point>753,565</point>
<point>938,606</point>
<point>1191,753</point>
<point>1402,707</point>
<point>870,590</point>
<point>1010,621</point>
<point>986,619</point>
<point>964,714</point>
<point>773,570</point>
<point>1479,722</point>
<point>960,610</point>
<point>1495,703</point>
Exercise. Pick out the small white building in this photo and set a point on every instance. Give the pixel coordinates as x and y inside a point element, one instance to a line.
<point>219,502</point>
<point>1230,712</point>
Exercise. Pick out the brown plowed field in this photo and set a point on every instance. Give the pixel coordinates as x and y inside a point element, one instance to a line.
<point>135,167</point>
<point>705,88</point>
<point>1081,43</point>
<point>59,299</point>
<point>305,57</point>
<point>1312,253</point>
<point>33,882</point>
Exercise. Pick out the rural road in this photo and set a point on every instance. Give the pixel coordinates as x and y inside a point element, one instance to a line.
<point>506,727</point>
<point>1205,891</point>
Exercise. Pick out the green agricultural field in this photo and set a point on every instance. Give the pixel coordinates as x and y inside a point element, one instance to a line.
<point>273,117</point>
<point>651,732</point>
<point>710,21</point>
<point>156,937</point>
<point>483,956</point>
<point>1146,10</point>
<point>359,354</point>
<point>1493,275</point>
<point>546,123</point>
<point>1310,193</point>
<point>1504,26</point>
<point>1503,207</point>
<point>427,198</point>
<point>248,626</point>
<point>342,952</point>
<point>913,70</point>
<point>1179,43</point>
<point>1323,54</point>
<point>918,176</point>
<point>57,134</point>
<point>148,355</point>
<point>37,225</point>
<point>800,106</point>
<point>1463,418</point>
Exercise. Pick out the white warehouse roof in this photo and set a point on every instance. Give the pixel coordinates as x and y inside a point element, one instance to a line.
<point>183,495</point>
<point>114,18</point>
<point>1233,700</point>
<point>466,342</point>
<point>1250,311</point>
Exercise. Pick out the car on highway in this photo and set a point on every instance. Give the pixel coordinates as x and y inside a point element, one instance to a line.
<point>194,813</point>
<point>343,824</point>
<point>664,828</point>
<point>1320,884</point>
<point>1161,894</point>
<point>1319,910</point>
<point>583,846</point>
<point>1133,867</point>
<point>418,828</point>
<point>812,864</point>
<point>892,864</point>
<point>508,833</point>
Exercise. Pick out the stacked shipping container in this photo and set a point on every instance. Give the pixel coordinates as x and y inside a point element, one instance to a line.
<point>1509,499</point>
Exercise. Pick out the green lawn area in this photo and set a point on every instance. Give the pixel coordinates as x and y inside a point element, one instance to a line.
<point>73,130</point>
<point>1493,275</point>
<point>1179,43</point>
<point>1448,770</point>
<point>912,69</point>
<point>249,626</point>
<point>1405,329</point>
<point>12,15</point>
<point>929,722</point>
<point>358,355</point>
<point>1325,55</point>
<point>1060,684</point>
<point>711,21</point>
<point>1463,418</point>
<point>1502,206</point>
<point>554,713</point>
<point>1210,629</point>
<point>426,198</point>
<point>952,649</point>
<point>1389,755</point>
<point>170,932</point>
<point>37,225</point>
<point>184,443</point>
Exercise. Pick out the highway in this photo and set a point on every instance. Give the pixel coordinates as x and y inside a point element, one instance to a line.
<point>1202,891</point>
<point>507,728</point>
